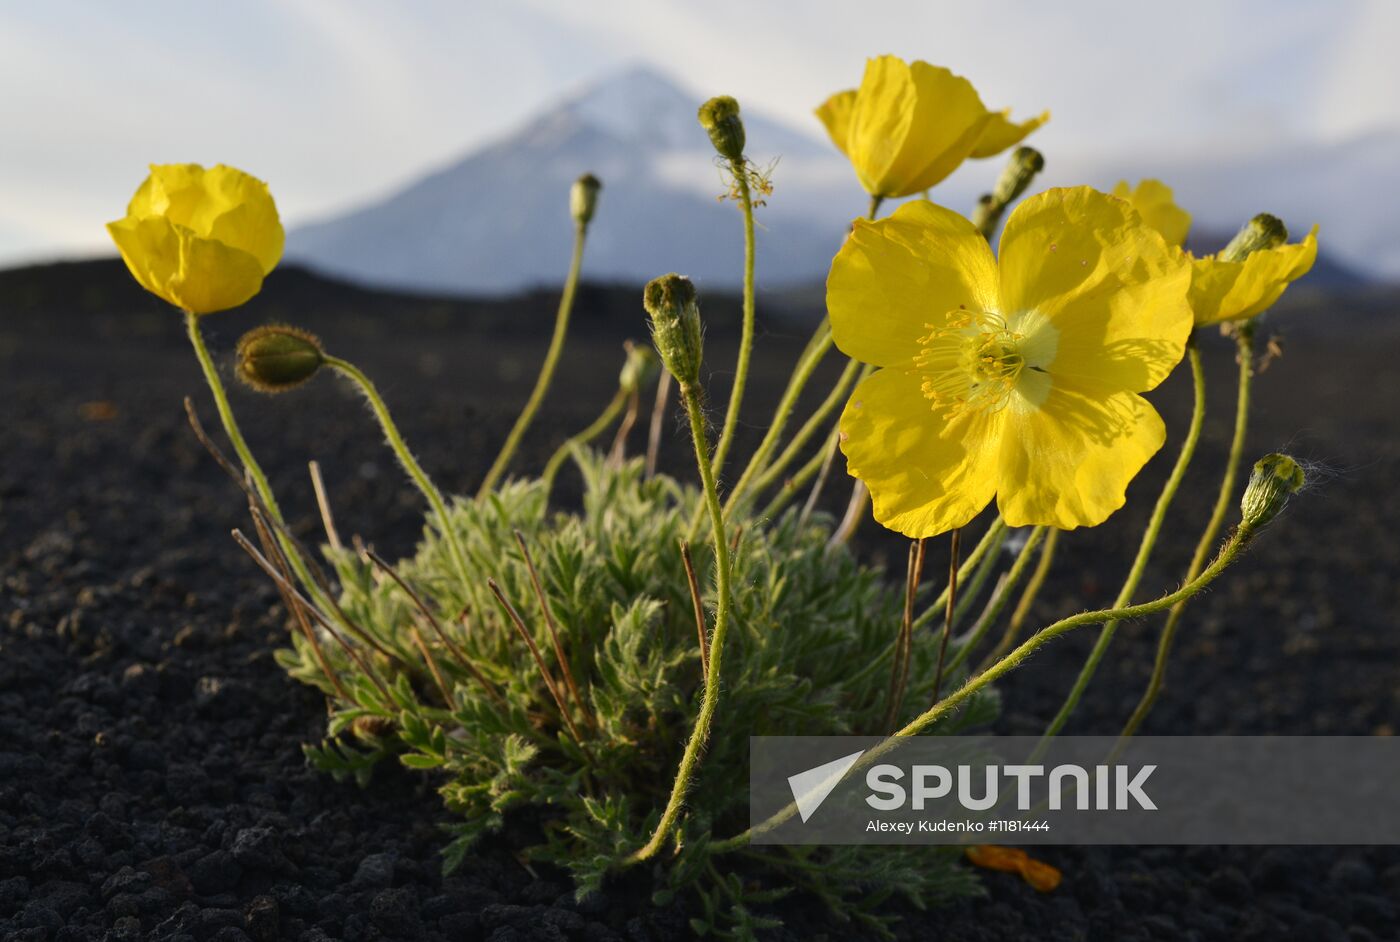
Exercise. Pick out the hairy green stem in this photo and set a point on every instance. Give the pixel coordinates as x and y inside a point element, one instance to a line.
<point>700,734</point>
<point>1228,554</point>
<point>809,428</point>
<point>551,362</point>
<point>1028,597</point>
<point>595,428</point>
<point>235,435</point>
<point>997,604</point>
<point>741,369</point>
<point>1149,540</point>
<point>799,480</point>
<point>1245,352</point>
<point>410,464</point>
<point>245,455</point>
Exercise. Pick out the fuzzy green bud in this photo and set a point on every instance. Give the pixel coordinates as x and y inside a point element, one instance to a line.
<point>275,358</point>
<point>639,368</point>
<point>583,198</point>
<point>1260,233</point>
<point>1016,176</point>
<point>1275,478</point>
<point>675,326</point>
<point>720,118</point>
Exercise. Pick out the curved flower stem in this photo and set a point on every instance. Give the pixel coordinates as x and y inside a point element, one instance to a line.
<point>1230,552</point>
<point>860,495</point>
<point>1028,597</point>
<point>235,435</point>
<point>698,736</point>
<point>997,605</point>
<point>596,428</point>
<point>1245,351</point>
<point>410,464</point>
<point>809,428</point>
<point>1149,540</point>
<point>245,454</point>
<point>741,369</point>
<point>551,362</point>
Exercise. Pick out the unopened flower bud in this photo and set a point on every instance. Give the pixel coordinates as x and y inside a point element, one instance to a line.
<point>583,198</point>
<point>675,326</point>
<point>1262,232</point>
<point>1016,176</point>
<point>1275,478</point>
<point>275,358</point>
<point>639,368</point>
<point>720,118</point>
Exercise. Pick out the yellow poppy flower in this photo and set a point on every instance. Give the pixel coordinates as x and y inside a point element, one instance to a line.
<point>1002,133</point>
<point>201,239</point>
<point>907,127</point>
<point>1236,291</point>
<point>1222,290</point>
<point>1155,204</point>
<point>1017,380</point>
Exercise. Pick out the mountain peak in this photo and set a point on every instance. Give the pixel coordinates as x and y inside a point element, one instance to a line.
<point>640,105</point>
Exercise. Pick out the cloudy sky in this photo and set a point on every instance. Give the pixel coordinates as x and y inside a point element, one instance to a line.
<point>338,102</point>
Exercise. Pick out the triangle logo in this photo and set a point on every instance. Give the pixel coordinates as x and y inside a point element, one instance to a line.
<point>811,788</point>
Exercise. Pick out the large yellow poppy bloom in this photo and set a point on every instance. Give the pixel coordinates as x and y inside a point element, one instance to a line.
<point>201,239</point>
<point>910,125</point>
<point>1016,380</point>
<point>1222,290</point>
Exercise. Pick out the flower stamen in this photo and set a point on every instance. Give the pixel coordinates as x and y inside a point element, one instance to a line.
<point>970,363</point>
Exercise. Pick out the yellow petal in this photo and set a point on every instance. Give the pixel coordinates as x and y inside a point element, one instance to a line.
<point>835,114</point>
<point>212,276</point>
<point>1156,205</point>
<point>926,475</point>
<point>1107,293</point>
<point>1235,291</point>
<point>1001,132</point>
<point>895,277</point>
<point>1066,461</point>
<point>912,125</point>
<point>151,250</point>
<point>220,203</point>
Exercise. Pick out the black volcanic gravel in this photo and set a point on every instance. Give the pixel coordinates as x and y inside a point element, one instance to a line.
<point>151,778</point>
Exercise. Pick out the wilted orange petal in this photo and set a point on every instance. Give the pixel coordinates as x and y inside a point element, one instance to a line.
<point>1042,876</point>
<point>996,857</point>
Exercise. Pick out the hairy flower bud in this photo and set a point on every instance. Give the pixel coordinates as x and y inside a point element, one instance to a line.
<point>275,358</point>
<point>720,118</point>
<point>675,326</point>
<point>1262,232</point>
<point>583,198</point>
<point>1275,478</point>
<point>1017,175</point>
<point>639,368</point>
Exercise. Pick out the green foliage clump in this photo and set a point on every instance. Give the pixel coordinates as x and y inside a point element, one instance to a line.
<point>812,636</point>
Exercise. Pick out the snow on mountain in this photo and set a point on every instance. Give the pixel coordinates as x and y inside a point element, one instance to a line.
<point>496,221</point>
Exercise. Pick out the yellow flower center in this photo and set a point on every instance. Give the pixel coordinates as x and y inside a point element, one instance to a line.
<point>971,363</point>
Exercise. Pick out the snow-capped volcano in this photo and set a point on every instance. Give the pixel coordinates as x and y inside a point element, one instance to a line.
<point>498,221</point>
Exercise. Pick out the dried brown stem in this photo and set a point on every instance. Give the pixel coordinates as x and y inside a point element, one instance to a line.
<point>948,612</point>
<point>524,632</point>
<point>553,629</point>
<point>618,452</point>
<point>323,503</point>
<point>658,418</point>
<point>276,577</point>
<point>430,661</point>
<point>457,652</point>
<point>699,606</point>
